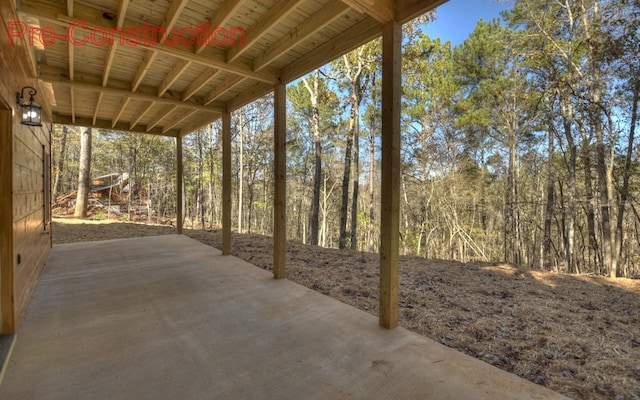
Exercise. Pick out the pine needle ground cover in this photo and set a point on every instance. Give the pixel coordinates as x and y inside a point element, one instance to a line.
<point>578,335</point>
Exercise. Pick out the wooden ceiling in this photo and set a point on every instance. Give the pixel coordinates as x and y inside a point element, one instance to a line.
<point>176,83</point>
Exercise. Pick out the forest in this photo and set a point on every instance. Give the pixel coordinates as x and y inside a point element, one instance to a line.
<point>518,145</point>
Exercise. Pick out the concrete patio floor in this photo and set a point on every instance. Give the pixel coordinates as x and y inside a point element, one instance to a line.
<point>168,317</point>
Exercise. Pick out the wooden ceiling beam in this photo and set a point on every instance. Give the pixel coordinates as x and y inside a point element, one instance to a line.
<point>154,122</point>
<point>381,10</point>
<point>144,67</point>
<point>173,76</point>
<point>255,92</point>
<point>71,60</point>
<point>124,104</point>
<point>70,8</point>
<point>106,124</point>
<point>222,88</point>
<point>171,17</point>
<point>323,17</point>
<point>91,83</point>
<point>199,83</point>
<point>199,123</point>
<point>406,10</point>
<point>176,121</point>
<point>72,99</point>
<point>111,52</point>
<point>359,34</point>
<point>215,58</point>
<point>169,21</point>
<point>271,18</point>
<point>122,12</point>
<point>97,107</point>
<point>222,15</point>
<point>209,57</point>
<point>142,114</point>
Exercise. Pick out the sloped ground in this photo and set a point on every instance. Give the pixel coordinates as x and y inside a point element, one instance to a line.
<point>577,335</point>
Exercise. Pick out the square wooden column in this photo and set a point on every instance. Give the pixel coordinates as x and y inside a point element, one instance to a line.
<point>179,184</point>
<point>226,183</point>
<point>280,188</point>
<point>390,193</point>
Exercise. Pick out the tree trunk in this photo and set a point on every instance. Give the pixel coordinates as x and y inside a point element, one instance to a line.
<point>355,103</point>
<point>512,230</point>
<point>61,158</point>
<point>567,118</point>
<point>241,171</point>
<point>594,255</point>
<point>549,209</point>
<point>624,191</point>
<point>317,150</point>
<point>84,175</point>
<point>342,243</point>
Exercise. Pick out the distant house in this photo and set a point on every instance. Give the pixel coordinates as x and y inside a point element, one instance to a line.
<point>111,186</point>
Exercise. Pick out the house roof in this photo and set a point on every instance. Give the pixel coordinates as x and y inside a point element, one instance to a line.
<point>169,67</point>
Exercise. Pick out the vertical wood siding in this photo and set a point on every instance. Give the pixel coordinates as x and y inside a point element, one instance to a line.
<point>30,147</point>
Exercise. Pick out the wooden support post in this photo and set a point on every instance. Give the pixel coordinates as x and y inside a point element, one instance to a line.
<point>280,189</point>
<point>226,183</point>
<point>390,193</point>
<point>6,224</point>
<point>179,186</point>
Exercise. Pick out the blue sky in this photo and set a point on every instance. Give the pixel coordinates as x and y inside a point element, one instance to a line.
<point>457,18</point>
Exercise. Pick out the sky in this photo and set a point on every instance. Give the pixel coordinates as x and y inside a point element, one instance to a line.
<point>456,19</point>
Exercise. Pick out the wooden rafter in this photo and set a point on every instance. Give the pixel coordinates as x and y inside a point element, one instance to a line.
<point>111,52</point>
<point>199,123</point>
<point>325,16</point>
<point>177,120</point>
<point>71,59</point>
<point>353,37</point>
<point>91,83</point>
<point>72,97</point>
<point>274,16</point>
<point>173,75</point>
<point>247,96</point>
<point>106,124</point>
<point>199,83</point>
<point>161,117</point>
<point>144,67</point>
<point>70,8</point>
<point>215,58</point>
<point>142,114</point>
<point>410,9</point>
<point>209,57</point>
<point>381,10</point>
<point>222,15</point>
<point>169,21</point>
<point>224,87</point>
<point>97,107</point>
<point>124,104</point>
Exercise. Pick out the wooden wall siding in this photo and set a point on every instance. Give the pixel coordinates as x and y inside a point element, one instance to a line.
<point>30,240</point>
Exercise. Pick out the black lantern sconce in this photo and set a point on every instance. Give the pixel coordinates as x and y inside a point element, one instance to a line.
<point>30,110</point>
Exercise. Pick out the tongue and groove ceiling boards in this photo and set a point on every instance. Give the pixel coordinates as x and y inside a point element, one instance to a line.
<point>172,66</point>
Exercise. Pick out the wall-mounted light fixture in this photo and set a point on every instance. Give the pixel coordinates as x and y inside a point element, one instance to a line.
<point>31,111</point>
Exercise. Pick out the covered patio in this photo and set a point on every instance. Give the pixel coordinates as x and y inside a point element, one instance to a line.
<point>168,317</point>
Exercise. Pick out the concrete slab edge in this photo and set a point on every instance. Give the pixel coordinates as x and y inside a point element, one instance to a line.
<point>5,364</point>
